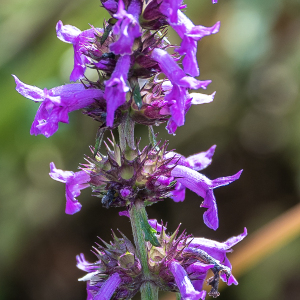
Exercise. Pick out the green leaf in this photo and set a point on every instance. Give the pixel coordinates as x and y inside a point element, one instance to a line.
<point>137,96</point>
<point>149,231</point>
<point>105,34</point>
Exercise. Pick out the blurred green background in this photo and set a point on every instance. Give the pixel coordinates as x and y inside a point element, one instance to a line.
<point>254,62</point>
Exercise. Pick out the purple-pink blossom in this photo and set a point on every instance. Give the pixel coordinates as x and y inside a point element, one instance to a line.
<point>127,27</point>
<point>75,182</point>
<point>178,97</point>
<point>80,39</point>
<point>108,288</point>
<point>188,32</point>
<point>56,103</point>
<point>186,288</point>
<point>116,88</point>
<point>203,187</point>
<point>185,172</point>
<point>218,251</point>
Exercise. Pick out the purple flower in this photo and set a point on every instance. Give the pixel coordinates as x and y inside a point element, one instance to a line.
<point>178,97</point>
<point>188,32</point>
<point>183,282</point>
<point>127,27</point>
<point>185,172</point>
<point>84,265</point>
<point>110,5</point>
<point>218,251</point>
<point>170,9</point>
<point>125,192</point>
<point>214,1</point>
<point>116,88</point>
<point>203,186</point>
<point>108,288</point>
<point>56,103</point>
<point>179,108</point>
<point>79,39</point>
<point>196,162</point>
<point>75,182</point>
<point>175,74</point>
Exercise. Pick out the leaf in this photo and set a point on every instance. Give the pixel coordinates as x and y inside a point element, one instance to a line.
<point>149,231</point>
<point>137,96</point>
<point>99,138</point>
<point>105,34</point>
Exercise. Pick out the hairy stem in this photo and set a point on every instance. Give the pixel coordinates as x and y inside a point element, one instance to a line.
<point>126,134</point>
<point>136,212</point>
<point>148,290</point>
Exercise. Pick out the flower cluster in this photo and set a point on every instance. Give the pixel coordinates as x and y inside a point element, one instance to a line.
<point>180,264</point>
<point>140,78</point>
<point>150,175</point>
<point>129,54</point>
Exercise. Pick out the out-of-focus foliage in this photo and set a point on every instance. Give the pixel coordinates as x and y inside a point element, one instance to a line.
<point>254,62</point>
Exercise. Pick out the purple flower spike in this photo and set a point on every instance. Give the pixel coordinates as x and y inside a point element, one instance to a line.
<point>203,186</point>
<point>183,282</point>
<point>108,288</point>
<point>116,88</point>
<point>75,182</point>
<point>127,27</point>
<point>214,1</point>
<point>73,35</point>
<point>56,104</point>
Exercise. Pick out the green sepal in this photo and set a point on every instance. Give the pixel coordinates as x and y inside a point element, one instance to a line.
<point>98,142</point>
<point>106,32</point>
<point>137,96</point>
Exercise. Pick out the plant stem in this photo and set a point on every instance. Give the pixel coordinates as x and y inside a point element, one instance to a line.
<point>126,134</point>
<point>148,290</point>
<point>136,212</point>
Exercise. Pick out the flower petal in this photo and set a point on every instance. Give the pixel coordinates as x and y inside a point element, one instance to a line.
<point>183,282</point>
<point>116,88</point>
<point>201,160</point>
<point>75,182</point>
<point>108,288</point>
<point>127,27</point>
<point>84,265</point>
<point>198,98</point>
<point>30,92</point>
<point>67,33</point>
